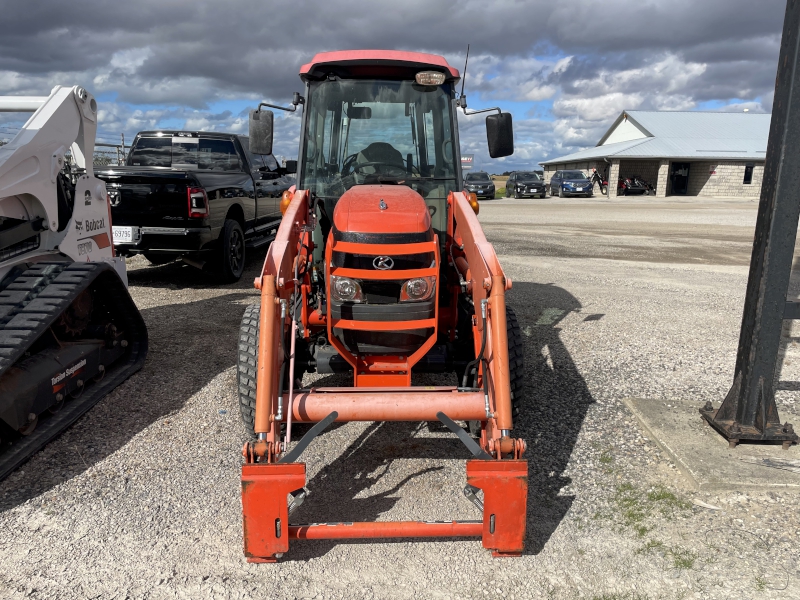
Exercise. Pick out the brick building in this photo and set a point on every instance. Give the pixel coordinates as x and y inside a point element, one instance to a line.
<point>681,153</point>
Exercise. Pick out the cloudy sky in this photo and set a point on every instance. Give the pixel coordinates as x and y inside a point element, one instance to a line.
<point>564,68</point>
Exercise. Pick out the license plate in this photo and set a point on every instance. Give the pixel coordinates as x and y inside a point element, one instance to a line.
<point>122,235</point>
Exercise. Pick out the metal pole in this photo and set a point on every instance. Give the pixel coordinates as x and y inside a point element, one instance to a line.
<point>749,411</point>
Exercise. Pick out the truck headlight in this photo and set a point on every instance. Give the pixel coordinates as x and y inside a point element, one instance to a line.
<point>417,289</point>
<point>344,289</point>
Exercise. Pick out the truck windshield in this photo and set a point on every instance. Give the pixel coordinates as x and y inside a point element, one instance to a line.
<point>368,131</point>
<point>184,152</point>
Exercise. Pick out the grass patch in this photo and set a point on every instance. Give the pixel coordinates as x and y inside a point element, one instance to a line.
<point>652,546</point>
<point>668,503</point>
<point>500,193</point>
<point>683,559</point>
<point>761,583</point>
<point>606,458</point>
<point>633,507</point>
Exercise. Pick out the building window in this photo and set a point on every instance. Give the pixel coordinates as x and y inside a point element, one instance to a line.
<point>748,174</point>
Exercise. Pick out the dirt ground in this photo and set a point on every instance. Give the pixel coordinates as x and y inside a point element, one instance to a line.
<point>140,498</point>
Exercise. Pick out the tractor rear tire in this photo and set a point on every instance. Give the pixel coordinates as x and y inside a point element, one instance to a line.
<point>247,366</point>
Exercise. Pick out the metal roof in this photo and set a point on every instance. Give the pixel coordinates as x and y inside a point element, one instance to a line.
<point>688,135</point>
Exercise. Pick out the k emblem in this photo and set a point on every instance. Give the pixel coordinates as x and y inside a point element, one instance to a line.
<point>383,263</point>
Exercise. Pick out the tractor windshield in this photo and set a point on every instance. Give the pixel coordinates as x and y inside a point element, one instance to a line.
<point>368,132</point>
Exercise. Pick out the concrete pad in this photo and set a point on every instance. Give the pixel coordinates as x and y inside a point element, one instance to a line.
<point>703,456</point>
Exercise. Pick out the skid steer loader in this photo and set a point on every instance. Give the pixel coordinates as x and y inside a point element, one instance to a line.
<point>69,330</point>
<point>380,270</point>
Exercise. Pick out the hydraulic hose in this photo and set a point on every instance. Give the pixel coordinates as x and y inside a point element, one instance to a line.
<point>472,364</point>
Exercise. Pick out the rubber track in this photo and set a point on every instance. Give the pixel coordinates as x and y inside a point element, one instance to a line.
<point>28,308</point>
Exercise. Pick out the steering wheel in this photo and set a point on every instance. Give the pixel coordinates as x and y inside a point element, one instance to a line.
<point>372,163</point>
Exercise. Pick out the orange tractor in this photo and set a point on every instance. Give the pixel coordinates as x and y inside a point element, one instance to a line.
<point>380,269</point>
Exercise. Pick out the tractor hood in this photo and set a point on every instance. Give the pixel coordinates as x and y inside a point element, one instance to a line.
<point>365,211</point>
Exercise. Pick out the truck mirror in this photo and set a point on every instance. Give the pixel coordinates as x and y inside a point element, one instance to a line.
<point>500,135</point>
<point>291,167</point>
<point>261,131</point>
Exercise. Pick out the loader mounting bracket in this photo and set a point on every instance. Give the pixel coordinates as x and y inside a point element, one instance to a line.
<point>267,532</point>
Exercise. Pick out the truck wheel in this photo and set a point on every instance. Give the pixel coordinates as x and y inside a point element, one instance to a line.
<point>247,365</point>
<point>560,192</point>
<point>159,259</point>
<point>232,253</point>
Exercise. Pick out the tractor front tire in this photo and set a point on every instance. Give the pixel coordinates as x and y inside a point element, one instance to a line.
<point>516,369</point>
<point>516,361</point>
<point>247,365</point>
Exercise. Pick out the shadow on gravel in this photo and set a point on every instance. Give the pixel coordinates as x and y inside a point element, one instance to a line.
<point>189,344</point>
<point>555,408</point>
<point>335,489</point>
<point>177,275</point>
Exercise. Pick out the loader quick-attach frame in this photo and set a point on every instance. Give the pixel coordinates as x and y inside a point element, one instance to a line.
<point>382,392</point>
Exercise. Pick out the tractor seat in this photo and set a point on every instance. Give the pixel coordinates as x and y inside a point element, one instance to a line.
<point>381,152</point>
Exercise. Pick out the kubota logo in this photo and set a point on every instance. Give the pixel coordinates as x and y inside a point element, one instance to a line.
<point>383,263</point>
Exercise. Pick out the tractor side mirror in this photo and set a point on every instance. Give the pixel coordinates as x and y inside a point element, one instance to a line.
<point>500,135</point>
<point>291,167</point>
<point>261,131</point>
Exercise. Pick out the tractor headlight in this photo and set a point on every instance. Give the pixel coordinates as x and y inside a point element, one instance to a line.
<point>417,289</point>
<point>344,289</point>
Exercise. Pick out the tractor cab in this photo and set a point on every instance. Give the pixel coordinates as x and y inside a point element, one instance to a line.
<point>380,122</point>
<point>379,159</point>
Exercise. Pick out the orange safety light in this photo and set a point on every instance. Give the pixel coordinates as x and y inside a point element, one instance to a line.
<point>473,202</point>
<point>286,200</point>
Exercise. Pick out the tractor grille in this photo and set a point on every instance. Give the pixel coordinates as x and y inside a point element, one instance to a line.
<point>365,261</point>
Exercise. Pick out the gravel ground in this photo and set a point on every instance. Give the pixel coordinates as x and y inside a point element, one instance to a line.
<point>140,498</point>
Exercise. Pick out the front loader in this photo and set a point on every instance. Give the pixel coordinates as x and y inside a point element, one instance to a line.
<point>69,330</point>
<point>380,270</point>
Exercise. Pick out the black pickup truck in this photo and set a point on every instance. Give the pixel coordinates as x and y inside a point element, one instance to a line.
<point>200,196</point>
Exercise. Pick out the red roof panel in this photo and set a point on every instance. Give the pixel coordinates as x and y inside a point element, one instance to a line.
<point>377,56</point>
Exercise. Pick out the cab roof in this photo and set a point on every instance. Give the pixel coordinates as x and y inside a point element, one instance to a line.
<point>375,63</point>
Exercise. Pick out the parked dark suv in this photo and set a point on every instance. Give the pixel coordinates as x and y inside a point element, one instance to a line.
<point>570,183</point>
<point>522,184</point>
<point>480,184</point>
